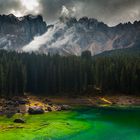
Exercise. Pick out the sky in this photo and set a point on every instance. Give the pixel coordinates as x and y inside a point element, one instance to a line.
<point>111,12</point>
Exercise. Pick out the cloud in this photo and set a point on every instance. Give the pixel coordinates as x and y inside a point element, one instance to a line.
<point>7,5</point>
<point>110,11</point>
<point>38,41</point>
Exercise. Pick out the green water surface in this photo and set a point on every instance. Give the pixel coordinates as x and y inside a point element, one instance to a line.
<point>86,123</point>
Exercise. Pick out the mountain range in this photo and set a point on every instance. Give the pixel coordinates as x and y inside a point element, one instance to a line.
<point>17,32</point>
<point>68,36</point>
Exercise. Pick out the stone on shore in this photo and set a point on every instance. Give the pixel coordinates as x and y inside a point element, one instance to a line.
<point>65,107</point>
<point>35,110</point>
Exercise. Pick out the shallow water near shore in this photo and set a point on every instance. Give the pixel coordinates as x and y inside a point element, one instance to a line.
<point>86,123</point>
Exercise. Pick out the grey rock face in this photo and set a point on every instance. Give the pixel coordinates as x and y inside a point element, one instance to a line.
<point>75,36</point>
<point>17,32</point>
<point>69,37</point>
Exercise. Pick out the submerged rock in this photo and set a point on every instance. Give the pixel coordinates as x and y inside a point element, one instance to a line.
<point>19,121</point>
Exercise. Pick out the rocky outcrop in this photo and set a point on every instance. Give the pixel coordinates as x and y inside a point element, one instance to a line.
<point>69,37</point>
<point>75,36</point>
<point>28,104</point>
<point>17,32</point>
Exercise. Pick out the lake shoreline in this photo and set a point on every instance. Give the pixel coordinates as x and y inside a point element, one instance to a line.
<point>79,123</point>
<point>107,100</point>
<point>49,103</point>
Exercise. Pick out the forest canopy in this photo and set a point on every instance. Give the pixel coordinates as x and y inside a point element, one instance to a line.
<point>57,75</point>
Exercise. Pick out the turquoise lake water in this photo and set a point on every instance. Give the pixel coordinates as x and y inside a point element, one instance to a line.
<point>86,123</point>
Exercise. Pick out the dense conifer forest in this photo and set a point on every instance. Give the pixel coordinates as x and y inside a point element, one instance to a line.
<point>117,71</point>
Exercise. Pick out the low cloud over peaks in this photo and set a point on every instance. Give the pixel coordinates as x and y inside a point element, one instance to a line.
<point>111,12</point>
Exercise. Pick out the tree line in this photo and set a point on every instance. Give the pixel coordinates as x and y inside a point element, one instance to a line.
<point>21,73</point>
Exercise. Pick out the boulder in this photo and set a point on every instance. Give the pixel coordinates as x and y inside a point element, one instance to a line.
<point>47,100</point>
<point>49,108</point>
<point>65,107</point>
<point>22,102</point>
<point>19,121</point>
<point>58,108</point>
<point>50,104</point>
<point>10,102</point>
<point>35,110</point>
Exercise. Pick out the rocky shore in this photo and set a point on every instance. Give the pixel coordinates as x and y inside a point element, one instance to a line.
<point>39,105</point>
<point>31,105</point>
<point>106,100</point>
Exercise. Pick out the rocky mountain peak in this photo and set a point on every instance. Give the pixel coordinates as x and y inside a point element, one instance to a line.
<point>15,32</point>
<point>68,36</point>
<point>73,36</point>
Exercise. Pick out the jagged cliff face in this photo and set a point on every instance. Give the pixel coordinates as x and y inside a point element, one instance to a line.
<point>67,36</point>
<point>17,32</point>
<point>71,36</point>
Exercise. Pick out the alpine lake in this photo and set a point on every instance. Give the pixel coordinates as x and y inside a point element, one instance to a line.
<point>80,123</point>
